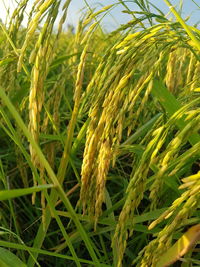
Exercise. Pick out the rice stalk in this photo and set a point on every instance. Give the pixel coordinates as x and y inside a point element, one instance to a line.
<point>134,93</point>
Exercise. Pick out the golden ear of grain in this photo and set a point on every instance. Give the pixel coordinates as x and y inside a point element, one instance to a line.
<point>189,199</point>
<point>104,158</point>
<point>41,57</point>
<point>171,71</point>
<point>181,247</point>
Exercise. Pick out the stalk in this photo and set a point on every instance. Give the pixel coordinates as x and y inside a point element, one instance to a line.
<point>182,22</point>
<point>52,177</point>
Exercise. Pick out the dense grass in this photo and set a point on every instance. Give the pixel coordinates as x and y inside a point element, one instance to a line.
<point>99,157</point>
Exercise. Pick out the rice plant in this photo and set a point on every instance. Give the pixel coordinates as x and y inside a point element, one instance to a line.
<point>99,161</point>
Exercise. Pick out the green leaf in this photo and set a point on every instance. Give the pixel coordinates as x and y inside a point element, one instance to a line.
<point>142,130</point>
<point>181,247</point>
<point>6,61</point>
<point>8,259</point>
<point>8,194</point>
<point>172,105</point>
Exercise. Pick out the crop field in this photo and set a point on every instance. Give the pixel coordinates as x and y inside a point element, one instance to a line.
<point>99,137</point>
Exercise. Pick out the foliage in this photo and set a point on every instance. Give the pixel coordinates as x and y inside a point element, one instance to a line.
<point>103,130</point>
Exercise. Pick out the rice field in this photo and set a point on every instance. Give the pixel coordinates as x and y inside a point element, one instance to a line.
<point>100,138</point>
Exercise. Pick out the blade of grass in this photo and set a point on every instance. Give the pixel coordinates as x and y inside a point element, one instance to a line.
<point>52,176</point>
<point>111,217</point>
<point>44,252</point>
<point>8,259</point>
<point>13,135</point>
<point>12,210</point>
<point>181,247</point>
<point>182,22</point>
<point>171,105</point>
<point>8,194</point>
<point>14,48</point>
<point>142,130</point>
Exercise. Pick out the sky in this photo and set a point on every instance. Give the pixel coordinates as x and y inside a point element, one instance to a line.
<point>116,17</point>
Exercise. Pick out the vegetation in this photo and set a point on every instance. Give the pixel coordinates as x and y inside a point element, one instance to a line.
<point>100,138</point>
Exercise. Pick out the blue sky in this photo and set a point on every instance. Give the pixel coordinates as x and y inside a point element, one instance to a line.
<point>116,17</point>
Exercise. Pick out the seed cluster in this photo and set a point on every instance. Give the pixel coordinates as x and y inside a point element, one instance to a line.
<point>97,104</point>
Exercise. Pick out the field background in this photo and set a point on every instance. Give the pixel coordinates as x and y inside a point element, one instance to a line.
<point>99,130</point>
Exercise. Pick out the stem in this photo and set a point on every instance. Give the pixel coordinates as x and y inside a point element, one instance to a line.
<point>182,22</point>
<point>52,176</point>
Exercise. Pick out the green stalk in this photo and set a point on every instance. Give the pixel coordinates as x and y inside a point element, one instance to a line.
<point>182,22</point>
<point>14,49</point>
<point>65,160</point>
<point>63,166</point>
<point>51,175</point>
<point>13,193</point>
<point>43,252</point>
<point>12,211</point>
